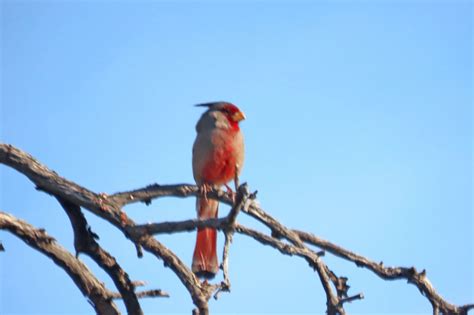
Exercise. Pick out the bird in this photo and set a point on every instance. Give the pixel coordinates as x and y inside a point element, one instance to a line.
<point>218,157</point>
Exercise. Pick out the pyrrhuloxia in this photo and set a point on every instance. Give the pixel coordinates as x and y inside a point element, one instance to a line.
<point>218,155</point>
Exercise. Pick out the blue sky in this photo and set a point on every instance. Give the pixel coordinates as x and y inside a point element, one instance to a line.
<point>359,130</point>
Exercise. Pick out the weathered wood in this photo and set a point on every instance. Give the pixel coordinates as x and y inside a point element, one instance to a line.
<point>109,207</point>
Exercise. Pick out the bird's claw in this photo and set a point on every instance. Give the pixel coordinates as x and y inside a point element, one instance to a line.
<point>204,188</point>
<point>230,193</point>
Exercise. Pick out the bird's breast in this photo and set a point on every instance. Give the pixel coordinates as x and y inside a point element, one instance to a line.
<point>224,153</point>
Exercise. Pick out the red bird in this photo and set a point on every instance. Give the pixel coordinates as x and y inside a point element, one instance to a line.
<point>218,155</point>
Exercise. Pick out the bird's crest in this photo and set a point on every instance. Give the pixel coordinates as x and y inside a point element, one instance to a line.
<point>210,104</point>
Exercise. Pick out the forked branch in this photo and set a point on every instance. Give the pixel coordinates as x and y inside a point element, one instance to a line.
<point>92,288</point>
<point>74,197</point>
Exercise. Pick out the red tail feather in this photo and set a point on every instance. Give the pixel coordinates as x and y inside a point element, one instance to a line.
<point>205,262</point>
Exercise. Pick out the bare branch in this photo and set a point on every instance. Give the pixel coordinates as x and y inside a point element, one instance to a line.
<point>334,307</point>
<point>185,190</point>
<point>225,284</point>
<point>295,236</point>
<point>175,226</point>
<point>50,182</point>
<point>143,294</point>
<point>85,242</point>
<point>155,191</point>
<point>240,200</point>
<point>358,296</point>
<point>79,273</point>
<point>414,277</point>
<point>139,283</point>
<point>229,229</point>
<point>287,241</point>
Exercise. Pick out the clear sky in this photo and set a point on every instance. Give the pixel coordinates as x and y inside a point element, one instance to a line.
<point>359,130</point>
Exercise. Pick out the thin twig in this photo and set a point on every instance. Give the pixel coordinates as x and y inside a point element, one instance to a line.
<point>143,294</point>
<point>229,229</point>
<point>358,296</point>
<point>225,284</point>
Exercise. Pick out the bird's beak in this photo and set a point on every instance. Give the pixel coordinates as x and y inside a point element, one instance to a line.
<point>238,116</point>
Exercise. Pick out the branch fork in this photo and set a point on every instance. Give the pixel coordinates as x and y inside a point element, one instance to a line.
<point>74,198</point>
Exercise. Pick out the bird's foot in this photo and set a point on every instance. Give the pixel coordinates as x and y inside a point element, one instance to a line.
<point>204,188</point>
<point>230,193</point>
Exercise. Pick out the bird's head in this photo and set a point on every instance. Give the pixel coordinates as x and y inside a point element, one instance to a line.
<point>224,113</point>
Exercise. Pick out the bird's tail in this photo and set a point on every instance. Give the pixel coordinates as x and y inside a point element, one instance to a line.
<point>205,263</point>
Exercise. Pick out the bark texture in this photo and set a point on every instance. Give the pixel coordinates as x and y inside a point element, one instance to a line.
<point>73,198</point>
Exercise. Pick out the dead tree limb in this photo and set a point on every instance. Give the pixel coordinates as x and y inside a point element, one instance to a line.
<point>85,242</point>
<point>106,208</point>
<point>92,288</point>
<point>419,279</point>
<point>291,242</point>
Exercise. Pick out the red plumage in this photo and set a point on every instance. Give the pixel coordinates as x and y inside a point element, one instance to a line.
<point>218,155</point>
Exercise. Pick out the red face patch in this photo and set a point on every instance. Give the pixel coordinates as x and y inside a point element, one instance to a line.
<point>229,110</point>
